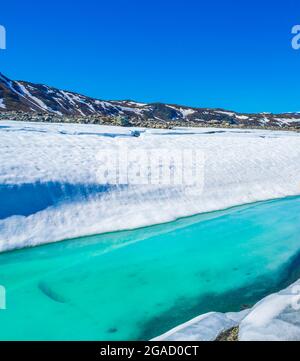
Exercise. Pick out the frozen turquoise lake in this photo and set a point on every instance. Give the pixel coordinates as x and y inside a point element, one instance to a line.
<point>135,285</point>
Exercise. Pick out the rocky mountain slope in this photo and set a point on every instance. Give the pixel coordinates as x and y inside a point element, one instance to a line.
<point>29,97</point>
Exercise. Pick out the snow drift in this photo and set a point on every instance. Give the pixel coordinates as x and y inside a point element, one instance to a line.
<point>49,189</point>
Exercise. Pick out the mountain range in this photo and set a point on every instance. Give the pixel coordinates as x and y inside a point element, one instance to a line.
<point>37,98</point>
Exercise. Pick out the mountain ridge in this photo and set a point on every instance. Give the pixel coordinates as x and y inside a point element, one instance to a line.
<point>40,98</point>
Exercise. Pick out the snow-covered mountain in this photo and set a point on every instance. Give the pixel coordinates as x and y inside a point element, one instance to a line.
<point>29,97</point>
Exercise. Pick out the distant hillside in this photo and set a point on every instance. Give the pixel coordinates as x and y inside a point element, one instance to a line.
<point>29,97</point>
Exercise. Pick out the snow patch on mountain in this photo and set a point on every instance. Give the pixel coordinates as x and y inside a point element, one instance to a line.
<point>41,104</point>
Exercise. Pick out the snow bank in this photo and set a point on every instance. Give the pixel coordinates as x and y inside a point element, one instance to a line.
<point>206,327</point>
<point>275,318</point>
<point>50,191</point>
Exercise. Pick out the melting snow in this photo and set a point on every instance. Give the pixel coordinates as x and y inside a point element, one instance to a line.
<point>275,318</point>
<point>60,161</point>
<point>42,105</point>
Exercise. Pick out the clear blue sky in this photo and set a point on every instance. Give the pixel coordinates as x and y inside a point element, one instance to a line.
<point>230,54</point>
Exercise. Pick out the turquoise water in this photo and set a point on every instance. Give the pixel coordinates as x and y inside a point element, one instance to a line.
<point>138,284</point>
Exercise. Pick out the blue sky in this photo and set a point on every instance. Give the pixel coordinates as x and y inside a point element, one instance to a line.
<point>229,54</point>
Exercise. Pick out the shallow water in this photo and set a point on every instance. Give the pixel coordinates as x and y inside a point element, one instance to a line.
<point>138,284</point>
